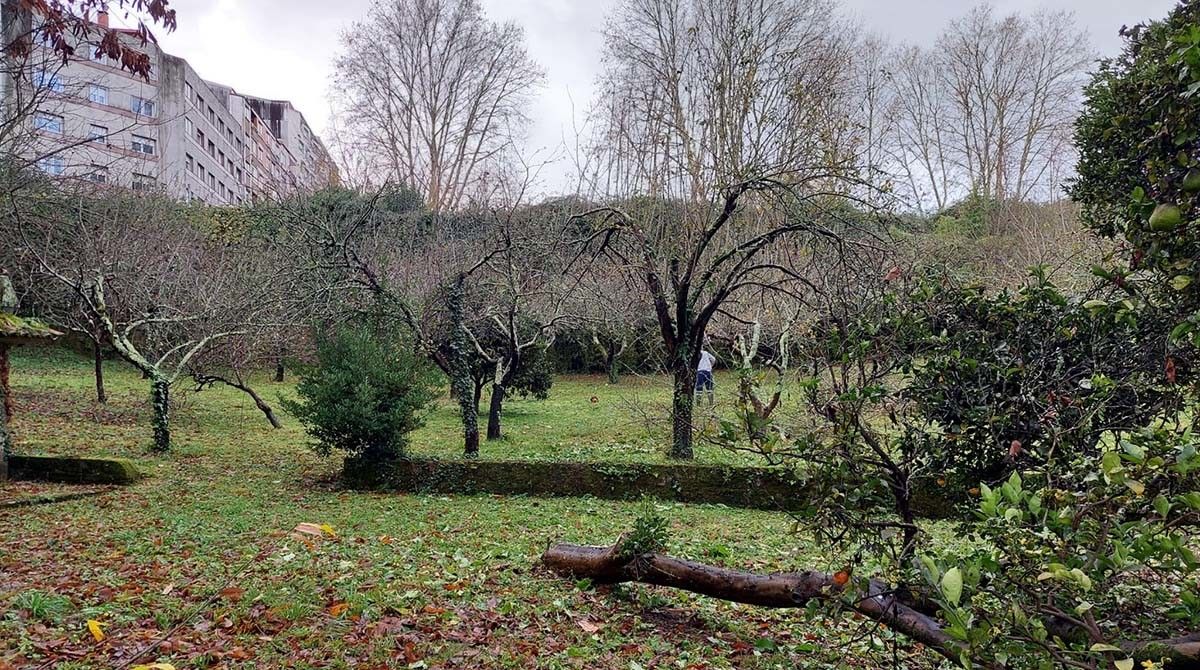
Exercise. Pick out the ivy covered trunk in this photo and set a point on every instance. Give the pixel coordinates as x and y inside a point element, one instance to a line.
<point>462,384</point>
<point>5,385</point>
<point>98,367</point>
<point>160,401</point>
<point>611,365</point>
<point>681,409</point>
<point>4,439</point>
<point>494,411</point>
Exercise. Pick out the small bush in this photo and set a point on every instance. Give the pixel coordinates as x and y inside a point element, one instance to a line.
<point>364,395</point>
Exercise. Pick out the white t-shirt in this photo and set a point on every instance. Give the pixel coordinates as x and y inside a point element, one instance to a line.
<point>706,362</point>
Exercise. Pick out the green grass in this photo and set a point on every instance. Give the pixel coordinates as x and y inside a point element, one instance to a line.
<point>200,553</point>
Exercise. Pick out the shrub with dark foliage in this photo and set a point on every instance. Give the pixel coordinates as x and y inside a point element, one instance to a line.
<point>364,395</point>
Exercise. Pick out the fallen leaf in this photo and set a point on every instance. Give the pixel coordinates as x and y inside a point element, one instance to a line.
<point>233,594</point>
<point>841,577</point>
<point>93,627</point>
<point>155,666</point>
<point>307,529</point>
<point>588,626</point>
<point>337,609</point>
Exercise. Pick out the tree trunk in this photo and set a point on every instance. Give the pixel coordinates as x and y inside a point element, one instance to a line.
<point>878,602</point>
<point>464,386</point>
<point>262,406</point>
<point>5,440</point>
<point>160,401</point>
<point>611,364</point>
<point>98,368</point>
<point>279,369</point>
<point>608,565</point>
<point>494,411</point>
<point>681,410</point>
<point>5,383</point>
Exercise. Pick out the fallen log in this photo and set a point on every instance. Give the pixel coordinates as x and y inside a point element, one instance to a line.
<point>609,565</point>
<point>1181,653</point>
<point>878,602</point>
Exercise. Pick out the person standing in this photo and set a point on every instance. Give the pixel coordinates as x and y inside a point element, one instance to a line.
<point>704,376</point>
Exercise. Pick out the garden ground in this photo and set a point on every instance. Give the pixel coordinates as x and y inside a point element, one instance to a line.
<point>201,557</point>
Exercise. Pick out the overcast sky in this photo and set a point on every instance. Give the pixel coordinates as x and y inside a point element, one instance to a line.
<point>284,48</point>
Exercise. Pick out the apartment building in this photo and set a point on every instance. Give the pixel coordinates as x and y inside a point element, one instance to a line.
<point>193,139</point>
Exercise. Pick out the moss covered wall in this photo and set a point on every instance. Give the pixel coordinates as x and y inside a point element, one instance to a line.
<point>762,488</point>
<point>73,470</point>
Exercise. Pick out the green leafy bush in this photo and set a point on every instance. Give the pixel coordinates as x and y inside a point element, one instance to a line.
<point>364,395</point>
<point>1090,559</point>
<point>1139,163</point>
<point>1010,377</point>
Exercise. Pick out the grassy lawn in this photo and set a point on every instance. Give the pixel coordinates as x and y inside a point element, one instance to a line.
<point>200,554</point>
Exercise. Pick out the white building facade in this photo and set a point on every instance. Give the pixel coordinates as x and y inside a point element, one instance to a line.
<point>175,132</point>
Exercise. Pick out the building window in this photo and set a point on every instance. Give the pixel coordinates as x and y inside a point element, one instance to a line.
<point>190,162</point>
<point>212,181</point>
<point>212,116</point>
<point>98,134</point>
<point>240,176</point>
<point>188,127</point>
<point>200,137</point>
<point>49,81</point>
<point>144,145</point>
<point>98,174</point>
<point>141,106</point>
<point>98,94</point>
<point>199,102</point>
<point>212,149</point>
<point>143,183</point>
<point>52,165</point>
<point>189,93</point>
<point>50,123</point>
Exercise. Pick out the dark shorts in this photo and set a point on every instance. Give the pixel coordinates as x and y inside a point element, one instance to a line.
<point>704,380</point>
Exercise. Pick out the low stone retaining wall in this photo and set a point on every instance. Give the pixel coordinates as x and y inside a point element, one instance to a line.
<point>69,470</point>
<point>759,488</point>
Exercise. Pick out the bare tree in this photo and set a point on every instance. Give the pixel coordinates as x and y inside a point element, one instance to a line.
<point>525,275</point>
<point>921,140</point>
<point>160,290</point>
<point>432,94</point>
<point>990,107</point>
<point>724,128</point>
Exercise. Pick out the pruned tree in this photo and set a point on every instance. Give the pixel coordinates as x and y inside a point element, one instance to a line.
<point>161,291</point>
<point>432,94</point>
<point>526,276</point>
<point>610,307</point>
<point>722,129</point>
<point>387,254</point>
